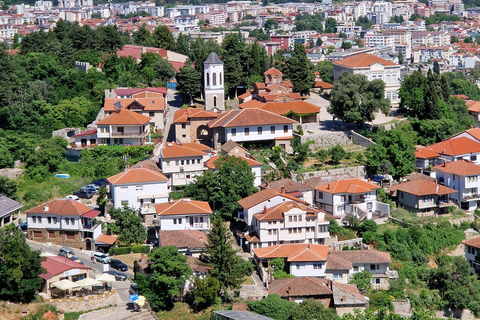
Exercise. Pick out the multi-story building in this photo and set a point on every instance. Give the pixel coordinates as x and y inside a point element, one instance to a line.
<point>378,39</point>
<point>472,254</point>
<point>430,38</point>
<point>154,108</point>
<point>373,68</point>
<point>191,125</point>
<point>183,214</point>
<point>124,127</point>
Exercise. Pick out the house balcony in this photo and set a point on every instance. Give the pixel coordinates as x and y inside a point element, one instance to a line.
<point>471,197</point>
<point>135,135</point>
<point>89,227</point>
<point>445,204</point>
<point>148,209</point>
<point>198,226</point>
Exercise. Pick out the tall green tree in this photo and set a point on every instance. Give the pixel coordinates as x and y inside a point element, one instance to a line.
<point>330,25</point>
<point>233,47</point>
<point>325,68</point>
<point>163,38</point>
<point>206,291</point>
<point>143,37</point>
<point>355,99</point>
<point>231,181</point>
<point>311,309</point>
<point>227,267</point>
<point>128,226</point>
<point>169,272</point>
<point>273,306</point>
<point>102,199</point>
<point>20,267</point>
<point>300,70</point>
<point>181,45</point>
<point>189,81</point>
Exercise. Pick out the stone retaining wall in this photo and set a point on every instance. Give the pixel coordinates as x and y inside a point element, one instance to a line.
<point>357,138</point>
<point>358,172</point>
<point>327,140</point>
<point>85,303</point>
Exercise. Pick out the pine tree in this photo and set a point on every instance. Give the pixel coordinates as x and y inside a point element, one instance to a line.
<point>432,96</point>
<point>300,70</point>
<point>163,38</point>
<point>143,37</point>
<point>189,81</point>
<point>182,44</point>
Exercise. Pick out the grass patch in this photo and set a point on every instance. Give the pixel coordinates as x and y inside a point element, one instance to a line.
<point>412,218</point>
<point>248,281</point>
<point>128,259</point>
<point>182,310</point>
<point>74,315</point>
<point>31,194</point>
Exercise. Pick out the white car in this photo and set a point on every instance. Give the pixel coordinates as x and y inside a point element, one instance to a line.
<point>100,257</point>
<point>72,197</point>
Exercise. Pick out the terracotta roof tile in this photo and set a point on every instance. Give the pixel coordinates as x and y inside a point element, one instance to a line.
<point>132,91</point>
<point>363,60</point>
<point>173,150</point>
<point>106,239</point>
<point>277,212</point>
<point>314,182</point>
<point>450,147</point>
<point>248,117</point>
<point>86,133</point>
<point>196,265</point>
<point>147,104</point>
<point>272,71</point>
<point>65,207</point>
<point>183,206</point>
<point>137,175</point>
<point>302,286</point>
<point>352,186</point>
<point>460,167</point>
<point>125,117</point>
<point>230,145</point>
<point>57,265</point>
<point>185,115</point>
<point>289,185</point>
<point>283,107</point>
<point>192,239</point>
<point>263,196</point>
<point>341,290</point>
<point>323,85</point>
<point>211,165</point>
<point>147,164</point>
<point>474,242</point>
<point>335,262</point>
<point>418,176</point>
<point>362,256</point>
<point>295,252</point>
<point>421,188</point>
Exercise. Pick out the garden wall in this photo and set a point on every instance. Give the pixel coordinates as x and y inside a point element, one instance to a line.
<point>85,303</point>
<point>357,171</point>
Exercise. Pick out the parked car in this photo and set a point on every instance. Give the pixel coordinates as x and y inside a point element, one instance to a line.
<point>94,186</point>
<point>101,182</point>
<point>118,276</point>
<point>69,254</point>
<point>100,257</point>
<point>133,288</point>
<point>119,265</point>
<point>72,197</point>
<point>24,226</point>
<point>91,190</point>
<point>83,194</point>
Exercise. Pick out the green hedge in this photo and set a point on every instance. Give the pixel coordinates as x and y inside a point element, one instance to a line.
<point>141,249</point>
<point>122,250</point>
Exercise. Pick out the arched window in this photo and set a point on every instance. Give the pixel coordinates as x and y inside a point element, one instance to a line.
<point>208,79</point>
<point>214,101</point>
<point>220,79</point>
<point>214,79</point>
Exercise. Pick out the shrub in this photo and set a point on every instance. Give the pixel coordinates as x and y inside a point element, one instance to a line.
<point>141,249</point>
<point>381,299</point>
<point>121,250</point>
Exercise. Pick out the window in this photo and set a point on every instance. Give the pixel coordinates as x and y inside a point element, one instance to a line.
<point>289,231</point>
<point>339,208</point>
<point>374,267</point>
<point>295,218</point>
<point>270,232</point>
<point>37,234</point>
<point>259,130</point>
<point>337,276</point>
<point>67,221</point>
<point>184,125</point>
<point>290,219</point>
<point>272,129</point>
<point>72,221</point>
<point>70,235</point>
<point>342,198</point>
<point>376,281</point>
<point>388,78</point>
<point>214,101</point>
<point>317,266</point>
<point>51,234</point>
<point>214,79</point>
<point>469,249</point>
<point>369,205</point>
<point>151,114</point>
<point>320,195</point>
<point>139,188</point>
<point>220,78</point>
<point>174,221</point>
<point>355,268</point>
<point>234,132</point>
<point>49,219</point>
<point>39,219</point>
<point>323,228</point>
<point>124,202</point>
<point>247,131</point>
<point>188,162</point>
<point>473,158</point>
<point>34,219</point>
<point>285,128</point>
<point>123,189</point>
<point>182,162</point>
<point>208,79</point>
<point>299,218</point>
<point>298,266</point>
<point>54,220</point>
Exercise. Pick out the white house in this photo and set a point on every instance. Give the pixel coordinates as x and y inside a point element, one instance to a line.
<point>255,166</point>
<point>152,107</point>
<point>7,208</point>
<point>351,196</point>
<point>183,214</point>
<point>138,188</point>
<point>64,222</point>
<point>252,125</point>
<point>462,176</point>
<point>124,127</point>
<point>288,222</point>
<point>372,67</point>
<point>181,163</point>
<point>472,253</point>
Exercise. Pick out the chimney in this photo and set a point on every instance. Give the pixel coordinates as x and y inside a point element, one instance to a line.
<point>186,199</point>
<point>45,208</point>
<point>328,186</point>
<point>445,164</point>
<point>144,50</point>
<point>264,209</point>
<point>471,126</point>
<point>282,189</point>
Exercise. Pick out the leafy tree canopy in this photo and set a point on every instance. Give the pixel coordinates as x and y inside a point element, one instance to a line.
<point>128,226</point>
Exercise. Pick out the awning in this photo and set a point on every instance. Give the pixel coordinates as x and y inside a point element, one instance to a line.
<point>65,285</point>
<point>105,277</point>
<point>88,282</point>
<point>153,196</point>
<point>91,214</point>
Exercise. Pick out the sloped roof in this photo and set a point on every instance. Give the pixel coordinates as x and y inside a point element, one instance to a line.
<point>213,59</point>
<point>418,176</point>
<point>450,147</point>
<point>125,117</point>
<point>335,262</point>
<point>248,117</point>
<point>300,287</point>
<point>57,265</point>
<point>293,252</point>
<point>264,195</point>
<point>147,164</point>
<point>347,295</point>
<point>86,133</point>
<point>460,167</point>
<point>352,186</point>
<point>323,85</point>
<point>474,242</point>
<point>192,239</point>
<point>103,238</point>
<point>362,256</point>
<point>283,107</point>
<point>314,182</point>
<point>230,145</point>
<point>363,60</point>
<point>474,132</point>
<point>185,115</point>
<point>474,106</point>
<point>149,104</point>
<point>289,185</point>
<point>173,150</point>
<point>272,71</point>
<point>422,188</point>
<point>211,165</point>
<point>277,212</point>
<point>183,206</point>
<point>65,207</point>
<point>137,175</point>
<point>7,206</point>
<point>131,91</point>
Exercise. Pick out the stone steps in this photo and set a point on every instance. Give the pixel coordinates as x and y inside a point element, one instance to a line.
<point>142,315</point>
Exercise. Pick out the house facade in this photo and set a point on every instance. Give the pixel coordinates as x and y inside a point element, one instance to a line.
<point>124,127</point>
<point>372,67</point>
<point>463,177</point>
<point>191,125</point>
<point>472,254</point>
<point>351,196</point>
<point>182,214</point>
<point>64,222</point>
<point>138,188</point>
<point>8,207</point>
<point>154,108</point>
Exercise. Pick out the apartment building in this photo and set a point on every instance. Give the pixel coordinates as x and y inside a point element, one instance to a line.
<point>430,38</point>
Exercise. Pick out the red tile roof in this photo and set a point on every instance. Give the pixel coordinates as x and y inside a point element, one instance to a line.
<point>131,91</point>
<point>137,175</point>
<point>148,104</point>
<point>86,133</point>
<point>272,71</point>
<point>295,252</point>
<point>103,238</point>
<point>248,117</point>
<point>474,242</point>
<point>335,262</point>
<point>363,60</point>
<point>64,207</point>
<point>136,51</point>
<point>173,150</point>
<point>211,165</point>
<point>324,85</point>
<point>474,132</point>
<point>352,186</point>
<point>362,256</point>
<point>277,212</point>
<point>300,287</point>
<point>289,185</point>
<point>182,207</point>
<point>185,115</point>
<point>57,265</point>
<point>450,147</point>
<point>282,108</point>
<point>460,167</point>
<point>263,196</point>
<point>421,188</point>
<point>192,239</point>
<point>125,117</point>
